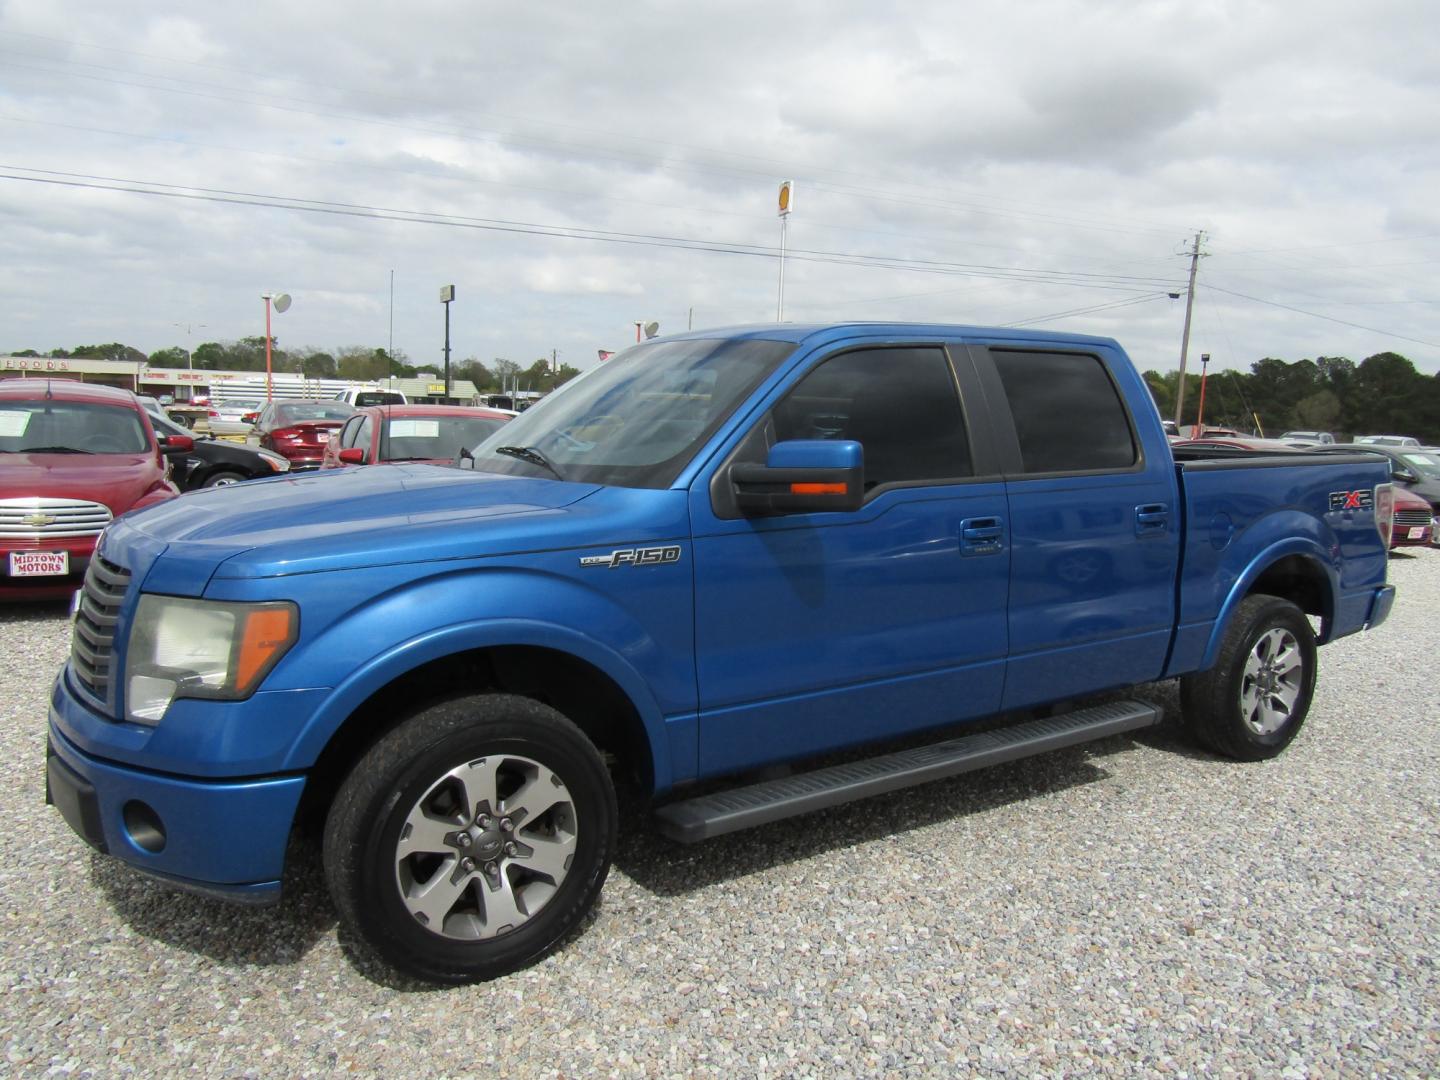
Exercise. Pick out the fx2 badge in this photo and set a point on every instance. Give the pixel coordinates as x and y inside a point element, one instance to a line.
<point>1352,500</point>
<point>651,556</point>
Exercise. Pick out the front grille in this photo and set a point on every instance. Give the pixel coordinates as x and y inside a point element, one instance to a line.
<point>41,519</point>
<point>92,647</point>
<point>1411,518</point>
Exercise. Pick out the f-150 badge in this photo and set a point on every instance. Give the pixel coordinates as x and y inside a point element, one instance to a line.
<point>654,556</point>
<point>1352,500</point>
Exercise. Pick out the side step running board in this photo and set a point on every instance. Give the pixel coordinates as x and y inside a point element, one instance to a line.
<point>759,804</point>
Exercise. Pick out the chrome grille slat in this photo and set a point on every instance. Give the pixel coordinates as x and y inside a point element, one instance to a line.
<point>1411,517</point>
<point>93,643</point>
<point>51,518</point>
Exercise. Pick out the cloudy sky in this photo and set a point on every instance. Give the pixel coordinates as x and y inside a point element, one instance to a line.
<point>575,167</point>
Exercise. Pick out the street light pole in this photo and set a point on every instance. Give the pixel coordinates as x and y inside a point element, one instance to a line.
<point>1200,415</point>
<point>282,305</point>
<point>447,294</point>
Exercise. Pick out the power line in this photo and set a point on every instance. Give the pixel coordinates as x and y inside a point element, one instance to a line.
<point>1317,315</point>
<point>244,198</point>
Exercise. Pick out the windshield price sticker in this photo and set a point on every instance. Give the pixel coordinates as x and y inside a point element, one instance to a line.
<point>39,563</point>
<point>13,424</point>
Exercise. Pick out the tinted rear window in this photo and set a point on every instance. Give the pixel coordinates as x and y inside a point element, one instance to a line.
<point>1068,414</point>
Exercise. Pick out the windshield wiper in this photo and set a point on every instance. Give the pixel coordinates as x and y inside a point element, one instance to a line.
<point>530,454</point>
<point>51,450</point>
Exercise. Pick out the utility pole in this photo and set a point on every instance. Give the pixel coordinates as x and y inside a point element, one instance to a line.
<point>1185,336</point>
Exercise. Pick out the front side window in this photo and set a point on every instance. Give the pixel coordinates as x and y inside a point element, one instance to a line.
<point>900,405</point>
<point>1068,414</point>
<point>637,419</point>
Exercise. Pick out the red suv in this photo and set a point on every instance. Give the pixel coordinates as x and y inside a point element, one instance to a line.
<point>73,456</point>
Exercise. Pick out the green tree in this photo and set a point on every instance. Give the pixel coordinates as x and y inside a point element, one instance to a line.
<point>111,351</point>
<point>173,357</point>
<point>319,365</point>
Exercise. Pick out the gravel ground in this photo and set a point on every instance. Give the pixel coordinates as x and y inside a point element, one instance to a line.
<point>1131,907</point>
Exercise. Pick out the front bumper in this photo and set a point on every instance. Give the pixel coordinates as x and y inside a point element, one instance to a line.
<point>221,838</point>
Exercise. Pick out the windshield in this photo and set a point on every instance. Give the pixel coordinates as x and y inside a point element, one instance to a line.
<point>434,438</point>
<point>1424,464</point>
<point>70,427</point>
<point>638,418</point>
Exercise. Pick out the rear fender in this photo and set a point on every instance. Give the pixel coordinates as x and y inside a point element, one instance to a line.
<point>1315,557</point>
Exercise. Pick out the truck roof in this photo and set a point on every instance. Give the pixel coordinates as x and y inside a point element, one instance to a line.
<point>818,333</point>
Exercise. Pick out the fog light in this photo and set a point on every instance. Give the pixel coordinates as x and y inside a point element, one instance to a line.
<point>144,826</point>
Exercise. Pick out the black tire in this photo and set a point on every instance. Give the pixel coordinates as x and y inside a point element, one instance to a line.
<point>1252,703</point>
<point>224,478</point>
<point>545,869</point>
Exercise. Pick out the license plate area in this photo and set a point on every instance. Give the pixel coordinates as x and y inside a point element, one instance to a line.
<point>39,563</point>
<point>1417,532</point>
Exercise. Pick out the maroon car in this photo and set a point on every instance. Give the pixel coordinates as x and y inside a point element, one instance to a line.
<point>433,433</point>
<point>73,456</point>
<point>1414,524</point>
<point>300,430</point>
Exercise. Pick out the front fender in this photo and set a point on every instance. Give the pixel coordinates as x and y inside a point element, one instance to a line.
<point>362,629</point>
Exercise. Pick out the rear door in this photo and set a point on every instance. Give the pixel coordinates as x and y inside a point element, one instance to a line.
<point>815,630</point>
<point>1095,529</point>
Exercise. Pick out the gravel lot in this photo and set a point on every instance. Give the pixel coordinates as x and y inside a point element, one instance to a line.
<point>1131,907</point>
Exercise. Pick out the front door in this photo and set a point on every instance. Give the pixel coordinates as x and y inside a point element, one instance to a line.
<point>818,630</point>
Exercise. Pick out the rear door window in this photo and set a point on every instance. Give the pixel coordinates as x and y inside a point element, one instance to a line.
<point>1068,414</point>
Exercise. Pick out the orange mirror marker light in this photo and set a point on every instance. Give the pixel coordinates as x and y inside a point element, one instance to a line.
<point>818,489</point>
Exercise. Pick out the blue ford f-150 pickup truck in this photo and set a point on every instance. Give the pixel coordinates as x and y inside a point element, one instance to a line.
<point>713,553</point>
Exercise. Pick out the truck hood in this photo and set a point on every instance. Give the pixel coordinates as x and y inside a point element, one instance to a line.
<point>117,480</point>
<point>339,519</point>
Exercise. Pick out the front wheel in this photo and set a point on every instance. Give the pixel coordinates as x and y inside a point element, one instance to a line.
<point>472,839</point>
<point>1251,704</point>
<point>224,479</point>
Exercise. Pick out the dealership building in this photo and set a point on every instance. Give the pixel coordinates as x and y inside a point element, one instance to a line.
<point>183,384</point>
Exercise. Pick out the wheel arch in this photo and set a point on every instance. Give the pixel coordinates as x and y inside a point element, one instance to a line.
<point>581,679</point>
<point>1292,570</point>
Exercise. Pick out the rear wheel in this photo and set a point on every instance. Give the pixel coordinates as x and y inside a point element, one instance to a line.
<point>1252,703</point>
<point>223,479</point>
<point>472,839</point>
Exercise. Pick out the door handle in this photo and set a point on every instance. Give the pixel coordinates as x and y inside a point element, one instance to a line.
<point>1151,518</point>
<point>981,536</point>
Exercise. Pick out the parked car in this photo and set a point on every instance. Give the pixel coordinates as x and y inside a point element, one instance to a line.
<point>1413,468</point>
<point>1240,442</point>
<point>1321,438</point>
<point>215,462</point>
<point>233,416</point>
<point>434,433</point>
<point>1388,440</point>
<point>73,456</point>
<point>362,396</point>
<point>1414,520</point>
<point>299,430</point>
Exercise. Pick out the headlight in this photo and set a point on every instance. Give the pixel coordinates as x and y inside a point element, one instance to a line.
<point>275,461</point>
<point>202,649</point>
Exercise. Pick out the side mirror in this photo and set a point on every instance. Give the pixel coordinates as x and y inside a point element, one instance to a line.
<point>170,445</point>
<point>802,476</point>
<point>1404,475</point>
<point>352,455</point>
